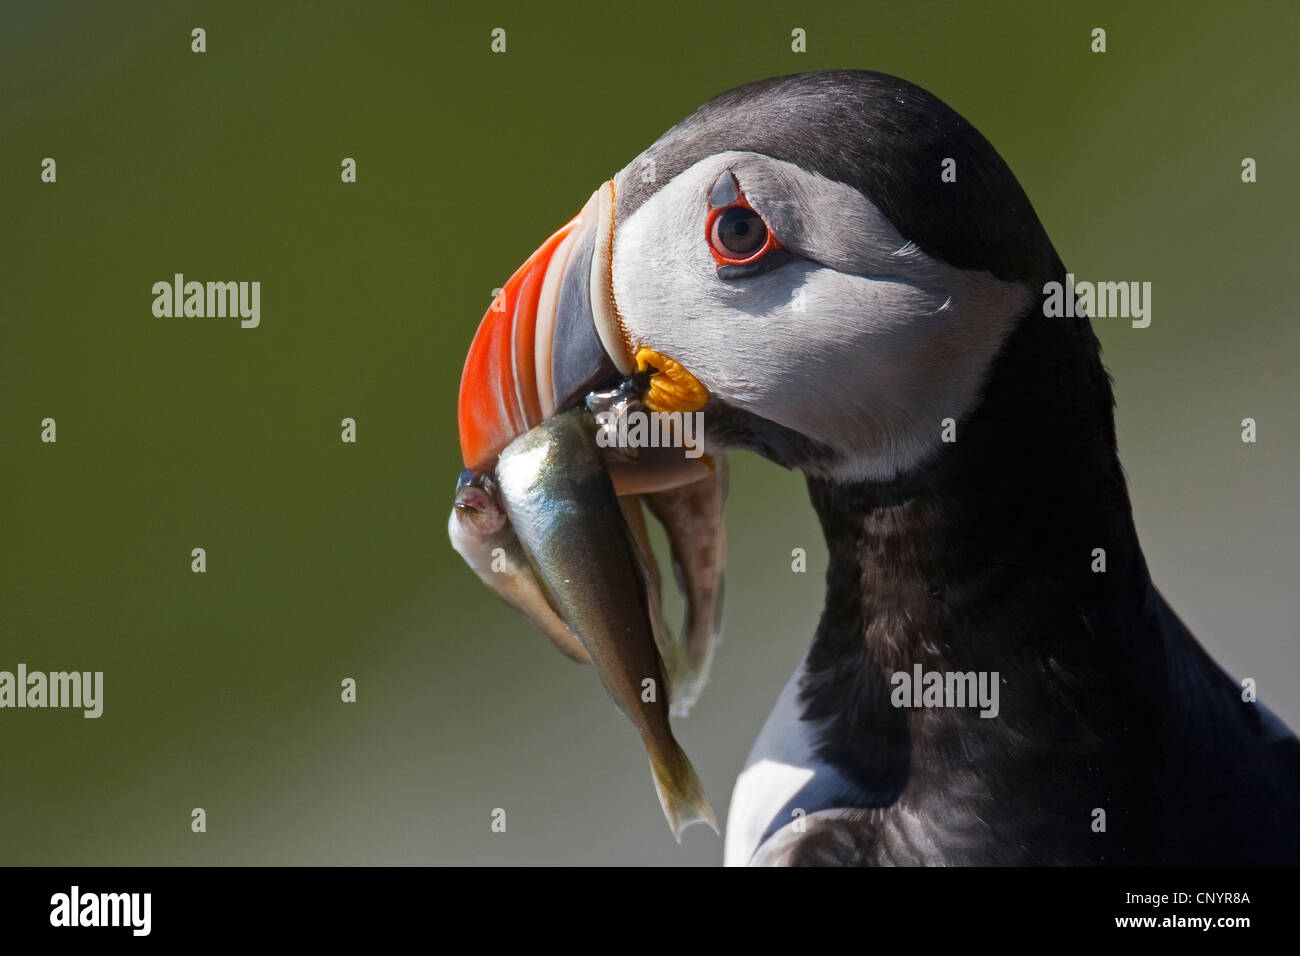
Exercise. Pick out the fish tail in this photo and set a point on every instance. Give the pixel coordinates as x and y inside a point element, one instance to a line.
<point>686,692</point>
<point>680,793</point>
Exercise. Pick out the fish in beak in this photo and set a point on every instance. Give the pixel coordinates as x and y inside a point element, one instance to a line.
<point>560,501</point>
<point>560,532</point>
<point>691,515</point>
<point>481,534</point>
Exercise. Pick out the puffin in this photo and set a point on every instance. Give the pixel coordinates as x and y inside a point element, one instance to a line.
<point>792,262</point>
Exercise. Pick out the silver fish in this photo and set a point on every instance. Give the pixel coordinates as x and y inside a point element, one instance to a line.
<point>687,496</point>
<point>556,490</point>
<point>482,535</point>
<point>692,516</point>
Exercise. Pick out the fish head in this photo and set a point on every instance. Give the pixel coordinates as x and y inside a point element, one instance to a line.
<point>477,510</point>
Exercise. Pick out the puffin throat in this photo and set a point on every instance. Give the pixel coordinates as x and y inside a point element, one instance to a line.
<point>982,562</point>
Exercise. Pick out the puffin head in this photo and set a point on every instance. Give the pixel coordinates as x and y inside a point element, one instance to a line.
<point>825,264</point>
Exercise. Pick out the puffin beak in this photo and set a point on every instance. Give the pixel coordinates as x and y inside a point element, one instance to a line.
<point>550,336</point>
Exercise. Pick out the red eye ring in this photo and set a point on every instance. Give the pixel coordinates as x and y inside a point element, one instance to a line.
<point>729,257</point>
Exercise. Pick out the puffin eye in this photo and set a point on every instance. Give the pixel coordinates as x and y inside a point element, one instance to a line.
<point>739,239</point>
<point>737,233</point>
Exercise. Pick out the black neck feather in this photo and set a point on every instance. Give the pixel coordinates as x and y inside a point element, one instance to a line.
<point>983,561</point>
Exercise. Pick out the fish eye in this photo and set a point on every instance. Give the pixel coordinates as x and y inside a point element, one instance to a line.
<point>476,500</point>
<point>738,232</point>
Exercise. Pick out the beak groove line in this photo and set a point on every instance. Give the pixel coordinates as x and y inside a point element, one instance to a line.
<point>609,324</point>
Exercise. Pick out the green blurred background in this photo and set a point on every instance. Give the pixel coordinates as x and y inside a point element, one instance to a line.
<point>328,560</point>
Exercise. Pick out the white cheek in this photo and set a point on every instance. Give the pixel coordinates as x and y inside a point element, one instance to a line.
<point>867,365</point>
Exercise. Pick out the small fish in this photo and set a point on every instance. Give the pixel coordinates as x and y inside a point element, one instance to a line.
<point>687,496</point>
<point>557,493</point>
<point>482,535</point>
<point>672,653</point>
<point>692,516</point>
